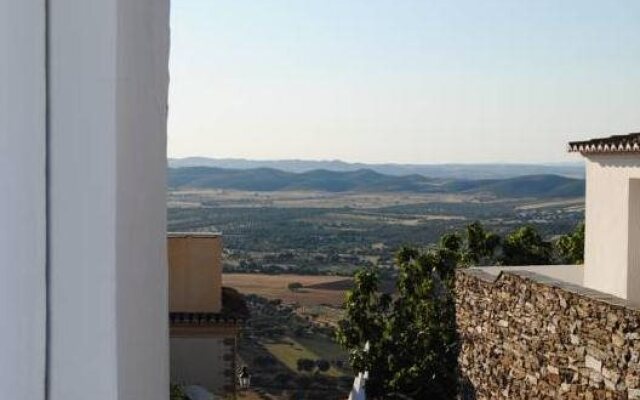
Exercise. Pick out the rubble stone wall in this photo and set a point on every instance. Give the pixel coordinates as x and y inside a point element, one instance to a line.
<point>526,336</point>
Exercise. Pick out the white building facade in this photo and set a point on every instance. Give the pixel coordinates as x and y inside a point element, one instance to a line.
<point>612,214</point>
<point>83,284</point>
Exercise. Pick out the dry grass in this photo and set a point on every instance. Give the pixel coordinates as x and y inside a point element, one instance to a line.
<point>288,351</point>
<point>193,198</point>
<point>317,289</point>
<point>567,203</point>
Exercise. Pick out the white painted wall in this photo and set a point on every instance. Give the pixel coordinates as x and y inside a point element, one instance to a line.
<point>109,334</point>
<point>22,199</point>
<point>141,226</point>
<point>609,265</point>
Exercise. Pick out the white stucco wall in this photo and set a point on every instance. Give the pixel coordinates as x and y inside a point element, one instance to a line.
<point>141,226</point>
<point>22,203</point>
<point>109,81</point>
<point>608,242</point>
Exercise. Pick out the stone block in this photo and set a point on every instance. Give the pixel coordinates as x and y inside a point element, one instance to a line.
<point>593,363</point>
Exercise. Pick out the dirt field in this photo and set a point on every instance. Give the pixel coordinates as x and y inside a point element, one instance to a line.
<point>317,290</point>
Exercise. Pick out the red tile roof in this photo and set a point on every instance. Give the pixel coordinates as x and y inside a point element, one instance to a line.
<point>614,144</point>
<point>177,318</point>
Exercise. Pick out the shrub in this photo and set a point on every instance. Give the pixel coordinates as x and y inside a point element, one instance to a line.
<point>295,286</point>
<point>323,365</point>
<point>306,365</point>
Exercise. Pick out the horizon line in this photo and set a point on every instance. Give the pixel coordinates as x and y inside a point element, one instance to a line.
<point>337,160</point>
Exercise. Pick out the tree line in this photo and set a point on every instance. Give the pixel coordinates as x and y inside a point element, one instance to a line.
<point>476,246</point>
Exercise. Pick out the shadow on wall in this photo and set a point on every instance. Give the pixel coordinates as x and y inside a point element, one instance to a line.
<point>467,390</point>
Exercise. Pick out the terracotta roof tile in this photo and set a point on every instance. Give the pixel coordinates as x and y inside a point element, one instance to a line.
<point>614,144</point>
<point>176,318</point>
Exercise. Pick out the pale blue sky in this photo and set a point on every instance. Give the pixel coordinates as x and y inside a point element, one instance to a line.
<point>401,80</point>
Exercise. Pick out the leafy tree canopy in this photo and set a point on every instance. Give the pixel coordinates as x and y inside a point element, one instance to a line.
<point>480,245</point>
<point>408,344</point>
<point>295,286</point>
<point>305,364</point>
<point>525,246</point>
<point>323,365</point>
<point>570,247</point>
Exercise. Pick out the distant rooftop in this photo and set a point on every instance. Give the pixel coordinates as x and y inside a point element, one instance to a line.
<point>613,144</point>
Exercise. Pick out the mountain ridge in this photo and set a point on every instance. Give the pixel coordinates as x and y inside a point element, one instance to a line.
<point>369,181</point>
<point>453,171</point>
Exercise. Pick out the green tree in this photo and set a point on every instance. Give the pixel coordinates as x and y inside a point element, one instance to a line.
<point>323,365</point>
<point>305,364</point>
<point>525,246</point>
<point>412,340</point>
<point>480,245</point>
<point>569,248</point>
<point>295,286</point>
<point>451,241</point>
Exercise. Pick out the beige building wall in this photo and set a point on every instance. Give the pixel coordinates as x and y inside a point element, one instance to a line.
<point>612,262</point>
<point>195,273</point>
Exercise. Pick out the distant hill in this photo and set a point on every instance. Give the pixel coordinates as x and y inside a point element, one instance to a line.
<point>449,171</point>
<point>366,180</point>
<point>524,186</point>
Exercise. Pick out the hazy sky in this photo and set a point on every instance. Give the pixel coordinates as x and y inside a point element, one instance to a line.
<point>401,80</point>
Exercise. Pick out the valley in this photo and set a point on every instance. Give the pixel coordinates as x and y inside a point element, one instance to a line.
<point>291,249</point>
<point>312,232</point>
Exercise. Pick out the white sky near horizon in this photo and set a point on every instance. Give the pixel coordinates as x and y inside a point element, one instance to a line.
<point>401,81</point>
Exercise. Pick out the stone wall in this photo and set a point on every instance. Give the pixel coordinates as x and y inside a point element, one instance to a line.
<point>526,336</point>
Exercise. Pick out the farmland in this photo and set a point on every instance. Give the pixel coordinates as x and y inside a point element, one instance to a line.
<point>289,354</point>
<point>288,327</point>
<point>318,233</point>
<point>316,290</point>
<point>317,240</point>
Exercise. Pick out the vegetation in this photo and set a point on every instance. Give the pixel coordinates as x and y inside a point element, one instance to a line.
<point>480,246</point>
<point>523,246</point>
<point>332,240</point>
<point>286,352</point>
<point>570,247</point>
<point>233,304</point>
<point>295,286</point>
<point>408,344</point>
<point>288,235</point>
<point>177,392</point>
<point>323,365</point>
<point>306,365</point>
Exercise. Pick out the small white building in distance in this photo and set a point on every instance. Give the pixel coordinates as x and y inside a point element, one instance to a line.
<point>612,243</point>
